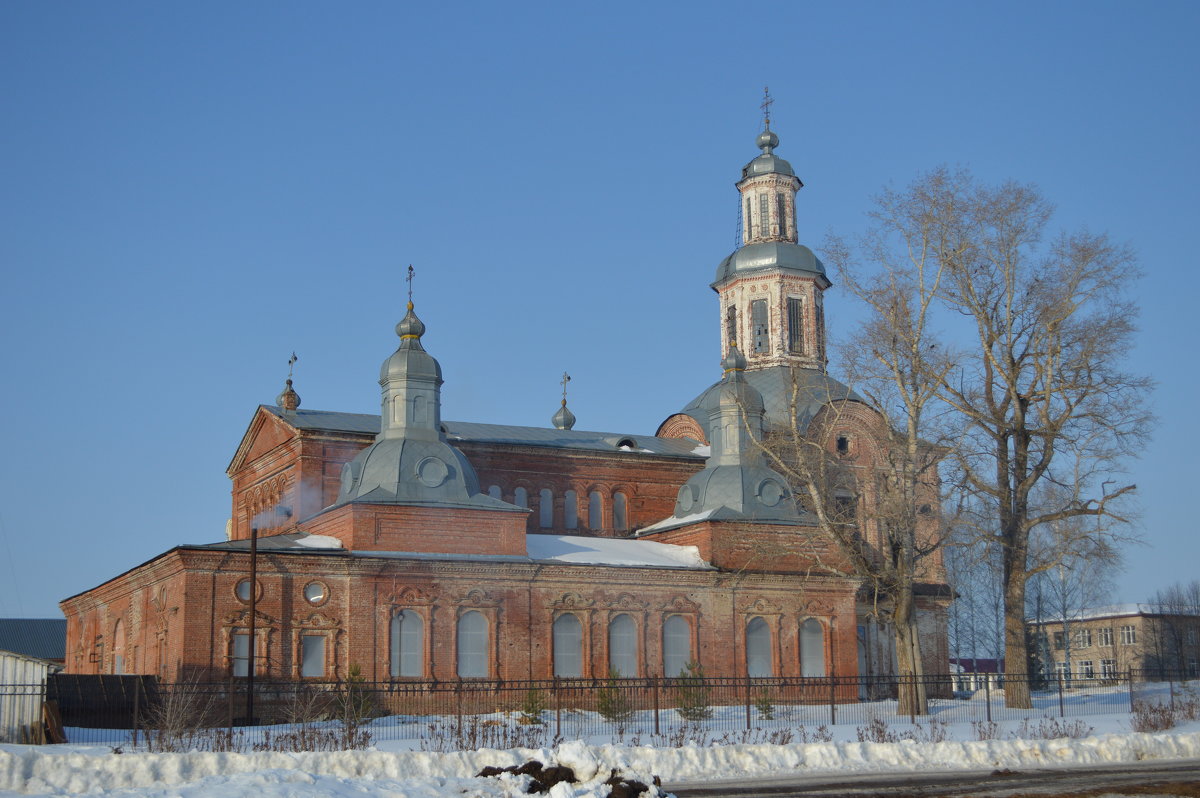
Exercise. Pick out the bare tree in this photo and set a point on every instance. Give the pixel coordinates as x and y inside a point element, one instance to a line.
<point>897,364</point>
<point>1176,642</point>
<point>1043,387</point>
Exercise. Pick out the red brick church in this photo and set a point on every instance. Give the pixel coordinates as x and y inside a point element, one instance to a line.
<point>417,548</point>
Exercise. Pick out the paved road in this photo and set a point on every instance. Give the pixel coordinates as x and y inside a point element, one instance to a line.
<point>984,784</point>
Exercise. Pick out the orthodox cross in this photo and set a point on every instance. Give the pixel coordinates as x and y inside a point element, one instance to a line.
<point>565,379</point>
<point>766,107</point>
<point>409,279</point>
<point>291,362</point>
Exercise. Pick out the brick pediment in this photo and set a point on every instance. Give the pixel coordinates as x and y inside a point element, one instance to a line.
<point>265,433</point>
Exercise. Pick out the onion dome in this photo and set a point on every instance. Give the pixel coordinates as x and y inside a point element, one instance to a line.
<point>768,163</point>
<point>564,418</point>
<point>411,359</point>
<point>289,400</point>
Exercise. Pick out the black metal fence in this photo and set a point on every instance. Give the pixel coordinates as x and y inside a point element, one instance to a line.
<point>440,715</point>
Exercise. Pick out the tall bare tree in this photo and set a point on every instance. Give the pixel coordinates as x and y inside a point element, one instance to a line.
<point>1043,387</point>
<point>895,362</point>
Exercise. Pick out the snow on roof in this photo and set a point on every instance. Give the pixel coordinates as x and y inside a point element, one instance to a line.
<point>612,551</point>
<point>671,521</point>
<point>1117,611</point>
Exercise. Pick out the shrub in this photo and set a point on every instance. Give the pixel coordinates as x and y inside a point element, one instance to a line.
<point>764,705</point>
<point>614,704</point>
<point>695,701</point>
<point>532,707</point>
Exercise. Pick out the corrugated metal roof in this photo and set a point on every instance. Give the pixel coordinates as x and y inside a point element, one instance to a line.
<point>44,638</point>
<point>468,432</point>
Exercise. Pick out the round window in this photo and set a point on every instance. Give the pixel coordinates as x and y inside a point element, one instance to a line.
<point>243,590</point>
<point>314,592</point>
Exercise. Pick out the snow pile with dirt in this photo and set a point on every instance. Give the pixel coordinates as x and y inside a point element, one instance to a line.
<point>81,770</point>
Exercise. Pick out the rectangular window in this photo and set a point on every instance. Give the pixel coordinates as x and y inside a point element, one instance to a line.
<point>782,210</point>
<point>1061,671</point>
<point>312,656</point>
<point>1085,669</point>
<point>1059,641</point>
<point>1106,637</point>
<point>1083,638</point>
<point>731,324</point>
<point>1108,669</point>
<point>758,320</point>
<point>241,654</point>
<point>795,315</point>
<point>764,215</point>
<point>1128,635</point>
<point>749,221</point>
<point>1191,637</point>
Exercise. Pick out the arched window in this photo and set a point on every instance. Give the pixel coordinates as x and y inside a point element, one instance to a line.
<point>568,646</point>
<point>495,492</point>
<point>812,648</point>
<point>521,497</point>
<point>408,644</point>
<point>758,648</point>
<point>595,511</point>
<point>570,510</point>
<point>118,649</point>
<point>546,508</point>
<point>622,646</point>
<point>472,646</point>
<point>620,512</point>
<point>677,645</point>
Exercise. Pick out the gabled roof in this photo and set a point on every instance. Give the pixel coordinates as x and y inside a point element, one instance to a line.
<point>468,432</point>
<point>44,638</point>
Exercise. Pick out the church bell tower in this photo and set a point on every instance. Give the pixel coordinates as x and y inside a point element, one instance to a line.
<point>771,288</point>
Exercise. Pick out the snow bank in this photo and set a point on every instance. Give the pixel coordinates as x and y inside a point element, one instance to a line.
<point>76,770</point>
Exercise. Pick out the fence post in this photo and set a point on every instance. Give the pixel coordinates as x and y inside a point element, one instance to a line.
<point>1171,688</point>
<point>832,704</point>
<point>228,706</point>
<point>747,702</point>
<point>137,692</point>
<point>655,685</point>
<point>987,696</point>
<point>458,704</point>
<point>557,709</point>
<point>1061,711</point>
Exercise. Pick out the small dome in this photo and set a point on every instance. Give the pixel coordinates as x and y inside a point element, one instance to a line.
<point>767,141</point>
<point>410,360</point>
<point>735,391</point>
<point>410,326</point>
<point>771,255</point>
<point>564,418</point>
<point>734,360</point>
<point>288,399</point>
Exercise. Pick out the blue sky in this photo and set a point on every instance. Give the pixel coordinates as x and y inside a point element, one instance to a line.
<point>193,191</point>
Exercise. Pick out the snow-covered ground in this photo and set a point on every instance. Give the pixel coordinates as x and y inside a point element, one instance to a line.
<point>394,768</point>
